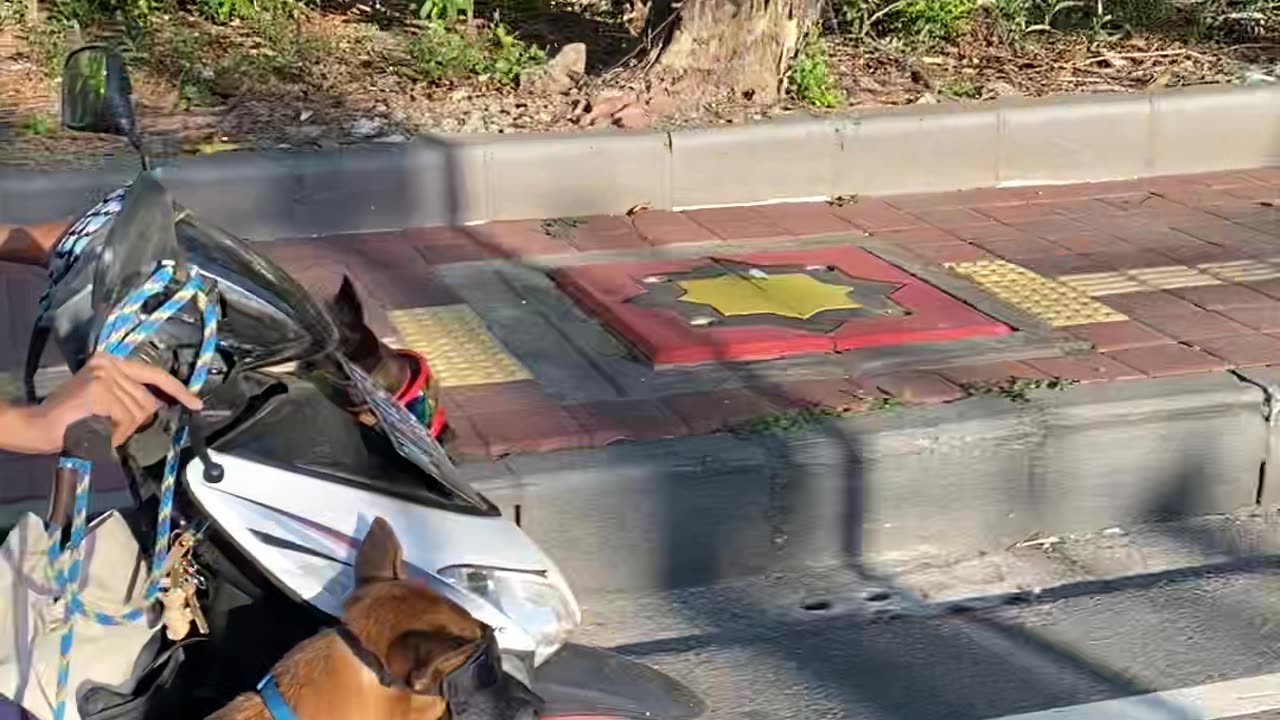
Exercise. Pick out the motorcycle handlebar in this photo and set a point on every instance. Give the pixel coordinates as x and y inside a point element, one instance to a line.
<point>88,438</point>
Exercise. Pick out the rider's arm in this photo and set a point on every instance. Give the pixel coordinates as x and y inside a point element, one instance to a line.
<point>29,244</point>
<point>24,430</point>
<point>123,390</point>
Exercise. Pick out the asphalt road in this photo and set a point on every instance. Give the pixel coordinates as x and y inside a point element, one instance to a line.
<point>829,644</point>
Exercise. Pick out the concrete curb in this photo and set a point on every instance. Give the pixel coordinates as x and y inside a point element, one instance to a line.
<point>979,474</point>
<point>458,179</point>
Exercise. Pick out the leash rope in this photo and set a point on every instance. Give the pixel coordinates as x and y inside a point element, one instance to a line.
<point>125,327</point>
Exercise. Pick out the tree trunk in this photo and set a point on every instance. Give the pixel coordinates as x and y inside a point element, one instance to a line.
<point>734,46</point>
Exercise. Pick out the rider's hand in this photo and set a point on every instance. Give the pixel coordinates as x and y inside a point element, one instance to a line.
<point>122,390</point>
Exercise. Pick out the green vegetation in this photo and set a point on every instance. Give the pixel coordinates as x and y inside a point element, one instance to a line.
<point>444,54</point>
<point>810,82</point>
<point>798,420</point>
<point>36,124</point>
<point>1016,389</point>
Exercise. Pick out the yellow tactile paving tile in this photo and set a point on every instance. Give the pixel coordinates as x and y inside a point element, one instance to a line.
<point>1149,279</point>
<point>1239,271</point>
<point>1056,303</point>
<point>456,343</point>
<point>1103,283</point>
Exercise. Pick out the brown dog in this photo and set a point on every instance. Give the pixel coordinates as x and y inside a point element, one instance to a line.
<point>419,637</point>
<point>359,343</point>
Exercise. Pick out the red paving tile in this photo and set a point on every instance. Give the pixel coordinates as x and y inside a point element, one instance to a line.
<point>1131,259</point>
<point>514,397</point>
<point>1270,288</point>
<point>1243,350</point>
<point>1217,297</point>
<point>947,218</point>
<point>541,429</point>
<point>666,338</point>
<point>949,252</point>
<point>462,439</point>
<point>912,237</point>
<point>1195,325</point>
<point>806,220</point>
<point>1086,368</point>
<point>736,224</point>
<point>1123,335</point>
<point>626,420</point>
<point>1055,265</point>
<point>1022,212</point>
<point>605,232</point>
<point>661,227</point>
<point>709,412</point>
<point>386,267</point>
<point>915,388</point>
<point>838,393</point>
<point>1023,247</point>
<point>518,238</point>
<point>872,215</point>
<point>1264,318</point>
<point>1142,305</point>
<point>1166,360</point>
<point>443,245</point>
<point>963,375</point>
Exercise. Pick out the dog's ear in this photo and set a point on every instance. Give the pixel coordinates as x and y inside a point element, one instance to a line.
<point>422,659</point>
<point>347,309</point>
<point>380,556</point>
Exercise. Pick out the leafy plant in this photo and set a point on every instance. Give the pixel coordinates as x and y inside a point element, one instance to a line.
<point>1016,389</point>
<point>224,11</point>
<point>928,21</point>
<point>445,54</point>
<point>46,44</point>
<point>447,11</point>
<point>960,89</point>
<point>36,124</point>
<point>808,78</point>
<point>510,56</point>
<point>12,12</point>
<point>797,420</point>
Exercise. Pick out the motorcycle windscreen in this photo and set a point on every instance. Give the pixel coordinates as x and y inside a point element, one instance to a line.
<point>270,318</point>
<point>141,236</point>
<point>409,438</point>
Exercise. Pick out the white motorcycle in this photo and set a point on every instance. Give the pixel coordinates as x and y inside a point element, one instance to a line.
<point>282,479</point>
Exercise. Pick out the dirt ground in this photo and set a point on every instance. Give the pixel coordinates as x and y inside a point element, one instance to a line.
<point>352,94</point>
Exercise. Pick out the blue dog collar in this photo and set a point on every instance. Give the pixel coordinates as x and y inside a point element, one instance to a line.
<point>271,697</point>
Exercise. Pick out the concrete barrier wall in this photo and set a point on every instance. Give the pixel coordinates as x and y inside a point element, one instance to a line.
<point>980,474</point>
<point>457,179</point>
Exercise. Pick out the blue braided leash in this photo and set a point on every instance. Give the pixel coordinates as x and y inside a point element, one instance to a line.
<point>127,326</point>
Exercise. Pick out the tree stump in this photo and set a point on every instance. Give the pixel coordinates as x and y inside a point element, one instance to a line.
<point>742,47</point>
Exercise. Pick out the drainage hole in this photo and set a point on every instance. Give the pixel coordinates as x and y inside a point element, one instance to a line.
<point>817,605</point>
<point>877,595</point>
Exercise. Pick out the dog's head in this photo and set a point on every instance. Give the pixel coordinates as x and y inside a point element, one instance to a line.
<point>420,638</point>
<point>355,339</point>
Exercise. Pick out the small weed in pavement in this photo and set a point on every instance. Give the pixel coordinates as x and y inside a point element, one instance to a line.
<point>1016,389</point>
<point>561,228</point>
<point>843,200</point>
<point>798,420</point>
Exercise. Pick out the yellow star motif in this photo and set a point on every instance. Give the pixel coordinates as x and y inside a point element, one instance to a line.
<point>793,295</point>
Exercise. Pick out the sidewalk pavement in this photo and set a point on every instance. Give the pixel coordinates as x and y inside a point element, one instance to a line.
<point>581,332</point>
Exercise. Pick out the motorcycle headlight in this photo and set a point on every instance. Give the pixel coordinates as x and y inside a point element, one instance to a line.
<point>531,600</point>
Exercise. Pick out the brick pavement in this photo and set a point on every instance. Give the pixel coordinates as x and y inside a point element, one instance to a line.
<point>1184,272</point>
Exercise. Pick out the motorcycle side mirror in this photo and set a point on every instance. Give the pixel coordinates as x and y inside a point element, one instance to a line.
<point>97,95</point>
